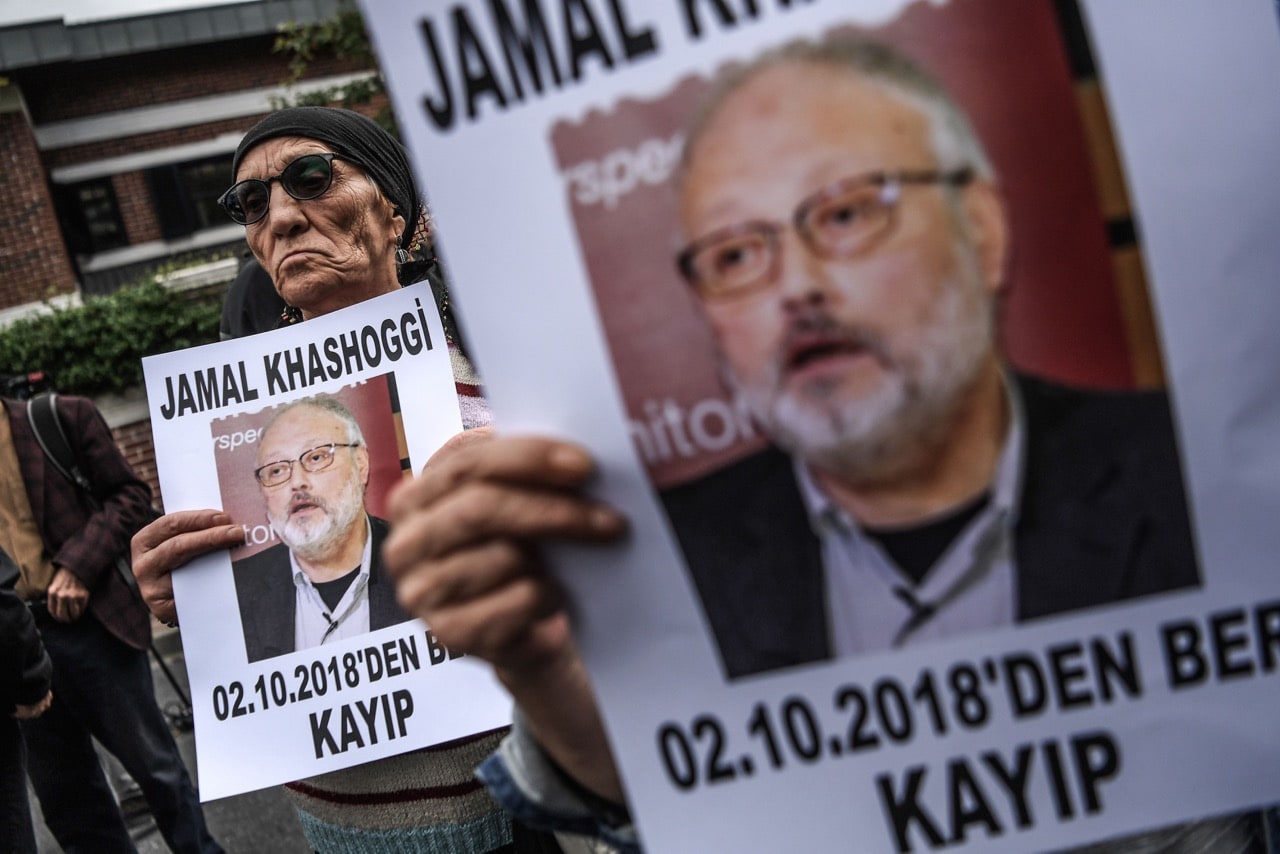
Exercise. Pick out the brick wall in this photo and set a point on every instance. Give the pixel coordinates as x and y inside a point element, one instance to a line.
<point>74,90</point>
<point>161,139</point>
<point>32,254</point>
<point>145,142</point>
<point>134,199</point>
<point>135,442</point>
<point>33,257</point>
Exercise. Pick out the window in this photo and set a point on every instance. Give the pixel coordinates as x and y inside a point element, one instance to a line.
<point>186,194</point>
<point>90,216</point>
<point>204,182</point>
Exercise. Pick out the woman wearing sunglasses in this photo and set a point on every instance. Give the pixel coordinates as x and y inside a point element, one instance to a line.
<point>330,211</point>
<point>327,201</point>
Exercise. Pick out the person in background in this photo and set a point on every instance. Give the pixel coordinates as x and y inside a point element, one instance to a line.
<point>324,580</point>
<point>26,677</point>
<point>331,214</point>
<point>251,304</point>
<point>96,631</point>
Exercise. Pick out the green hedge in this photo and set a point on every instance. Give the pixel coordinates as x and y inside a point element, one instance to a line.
<point>97,348</point>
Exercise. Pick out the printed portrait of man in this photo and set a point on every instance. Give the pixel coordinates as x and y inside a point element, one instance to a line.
<point>323,580</point>
<point>848,244</point>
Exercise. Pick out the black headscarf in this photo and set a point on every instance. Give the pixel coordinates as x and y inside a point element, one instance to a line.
<point>353,137</point>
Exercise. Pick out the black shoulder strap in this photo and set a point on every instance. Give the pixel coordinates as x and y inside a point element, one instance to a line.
<point>46,423</point>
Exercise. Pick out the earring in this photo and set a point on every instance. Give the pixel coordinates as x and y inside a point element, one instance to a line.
<point>402,256</point>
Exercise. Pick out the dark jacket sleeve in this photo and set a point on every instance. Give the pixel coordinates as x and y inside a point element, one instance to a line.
<point>25,669</point>
<point>125,501</point>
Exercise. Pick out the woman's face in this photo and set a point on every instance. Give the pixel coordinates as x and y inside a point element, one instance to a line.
<point>329,252</point>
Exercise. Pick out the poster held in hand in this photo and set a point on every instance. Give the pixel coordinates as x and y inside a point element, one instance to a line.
<point>299,656</point>
<point>805,276</point>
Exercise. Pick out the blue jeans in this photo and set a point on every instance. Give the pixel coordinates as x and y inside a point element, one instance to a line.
<point>102,688</point>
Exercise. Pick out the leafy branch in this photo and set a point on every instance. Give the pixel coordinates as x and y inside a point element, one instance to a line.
<point>344,37</point>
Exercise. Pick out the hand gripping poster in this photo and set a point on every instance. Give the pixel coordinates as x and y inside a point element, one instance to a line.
<point>300,658</point>
<point>946,441</point>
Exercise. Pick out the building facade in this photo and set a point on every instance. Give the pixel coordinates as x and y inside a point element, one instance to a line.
<point>116,138</point>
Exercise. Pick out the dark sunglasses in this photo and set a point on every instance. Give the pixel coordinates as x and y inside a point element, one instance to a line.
<point>305,178</point>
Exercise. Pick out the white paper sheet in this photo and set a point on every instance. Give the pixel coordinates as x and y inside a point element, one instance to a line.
<point>1154,711</point>
<point>344,702</point>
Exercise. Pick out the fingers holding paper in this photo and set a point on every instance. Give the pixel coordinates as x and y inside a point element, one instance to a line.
<point>172,541</point>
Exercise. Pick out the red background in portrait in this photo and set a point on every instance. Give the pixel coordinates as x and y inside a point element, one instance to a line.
<point>1061,317</point>
<point>370,401</point>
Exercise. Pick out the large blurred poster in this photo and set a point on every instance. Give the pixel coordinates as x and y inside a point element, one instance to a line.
<point>1061,317</point>
<point>826,289</point>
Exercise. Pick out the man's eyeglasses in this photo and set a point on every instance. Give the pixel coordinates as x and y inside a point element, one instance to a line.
<point>838,222</point>
<point>316,459</point>
<point>305,178</point>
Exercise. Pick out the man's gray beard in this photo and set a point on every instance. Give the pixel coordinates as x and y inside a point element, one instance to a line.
<point>316,539</point>
<point>909,414</point>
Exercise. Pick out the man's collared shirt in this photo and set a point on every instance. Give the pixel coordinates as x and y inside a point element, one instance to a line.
<point>314,622</point>
<point>874,606</point>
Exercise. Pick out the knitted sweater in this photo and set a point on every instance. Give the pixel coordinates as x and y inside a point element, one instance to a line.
<point>424,802</point>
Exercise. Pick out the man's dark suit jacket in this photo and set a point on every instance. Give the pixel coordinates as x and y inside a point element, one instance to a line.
<point>1103,518</point>
<point>25,670</point>
<point>265,590</point>
<point>84,540</point>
